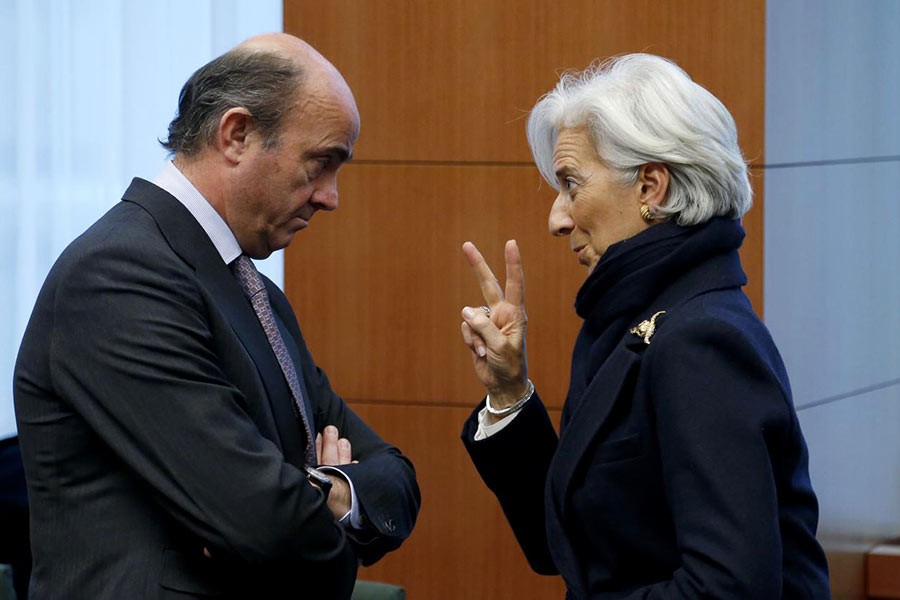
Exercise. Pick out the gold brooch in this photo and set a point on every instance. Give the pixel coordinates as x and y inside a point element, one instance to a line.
<point>646,329</point>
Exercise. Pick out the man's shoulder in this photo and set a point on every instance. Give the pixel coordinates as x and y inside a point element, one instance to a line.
<point>125,226</point>
<point>125,240</point>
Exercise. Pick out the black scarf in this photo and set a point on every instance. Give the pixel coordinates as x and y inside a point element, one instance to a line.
<point>630,275</point>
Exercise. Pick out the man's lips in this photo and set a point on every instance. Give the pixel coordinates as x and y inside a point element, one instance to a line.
<point>301,222</point>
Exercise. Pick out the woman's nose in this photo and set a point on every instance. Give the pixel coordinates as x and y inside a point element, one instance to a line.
<point>560,220</point>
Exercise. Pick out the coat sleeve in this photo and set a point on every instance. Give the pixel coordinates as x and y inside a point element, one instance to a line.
<point>131,350</point>
<point>383,478</point>
<point>513,464</point>
<point>722,412</point>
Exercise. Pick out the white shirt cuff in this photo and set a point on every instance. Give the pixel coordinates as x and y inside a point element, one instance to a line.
<point>352,518</point>
<point>486,429</point>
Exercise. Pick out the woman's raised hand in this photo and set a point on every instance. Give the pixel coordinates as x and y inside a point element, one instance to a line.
<point>496,337</point>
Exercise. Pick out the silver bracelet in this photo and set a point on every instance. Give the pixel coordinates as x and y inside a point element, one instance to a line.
<point>512,407</point>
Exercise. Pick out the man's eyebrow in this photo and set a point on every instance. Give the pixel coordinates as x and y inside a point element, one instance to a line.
<point>342,153</point>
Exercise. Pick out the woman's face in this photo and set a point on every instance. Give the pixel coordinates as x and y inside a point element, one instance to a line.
<point>592,207</point>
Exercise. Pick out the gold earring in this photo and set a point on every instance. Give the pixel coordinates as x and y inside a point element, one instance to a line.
<point>646,214</point>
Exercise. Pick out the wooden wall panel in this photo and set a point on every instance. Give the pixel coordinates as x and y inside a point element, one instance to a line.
<point>461,547</point>
<point>443,89</point>
<point>383,279</point>
<point>378,284</point>
<point>452,80</point>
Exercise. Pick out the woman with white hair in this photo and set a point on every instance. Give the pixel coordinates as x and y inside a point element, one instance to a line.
<point>680,470</point>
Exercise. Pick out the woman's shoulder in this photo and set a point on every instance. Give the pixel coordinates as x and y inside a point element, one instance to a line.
<point>717,330</point>
<point>716,313</point>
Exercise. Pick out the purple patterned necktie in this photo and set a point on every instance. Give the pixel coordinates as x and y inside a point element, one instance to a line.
<point>252,284</point>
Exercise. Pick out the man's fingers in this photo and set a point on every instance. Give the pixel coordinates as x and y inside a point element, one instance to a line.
<point>515,274</point>
<point>344,451</point>
<point>319,448</point>
<point>329,454</point>
<point>490,287</point>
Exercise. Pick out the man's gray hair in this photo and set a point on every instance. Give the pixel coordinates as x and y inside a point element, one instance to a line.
<point>265,83</point>
<point>640,109</point>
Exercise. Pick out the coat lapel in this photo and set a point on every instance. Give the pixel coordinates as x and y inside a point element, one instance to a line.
<point>191,243</point>
<point>597,401</point>
<point>600,396</point>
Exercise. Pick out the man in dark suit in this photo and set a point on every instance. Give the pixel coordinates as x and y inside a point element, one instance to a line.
<point>175,430</point>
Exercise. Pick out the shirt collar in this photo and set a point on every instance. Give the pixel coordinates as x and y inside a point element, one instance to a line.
<point>173,181</point>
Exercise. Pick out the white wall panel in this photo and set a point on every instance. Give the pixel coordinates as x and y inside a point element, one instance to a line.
<point>832,267</point>
<point>832,258</point>
<point>854,446</point>
<point>832,79</point>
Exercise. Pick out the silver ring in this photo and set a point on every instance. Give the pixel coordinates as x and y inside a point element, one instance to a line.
<point>486,310</point>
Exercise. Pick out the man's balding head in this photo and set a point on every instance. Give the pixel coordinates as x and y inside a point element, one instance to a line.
<point>264,74</point>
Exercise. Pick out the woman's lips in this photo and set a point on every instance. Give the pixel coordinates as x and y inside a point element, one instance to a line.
<point>582,255</point>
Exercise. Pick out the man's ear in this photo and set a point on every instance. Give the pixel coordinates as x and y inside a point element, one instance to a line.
<point>235,128</point>
<point>654,181</point>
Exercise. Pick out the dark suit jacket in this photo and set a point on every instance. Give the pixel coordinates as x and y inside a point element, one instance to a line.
<point>155,422</point>
<point>681,472</point>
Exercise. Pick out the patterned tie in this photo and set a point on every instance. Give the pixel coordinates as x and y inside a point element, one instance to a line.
<point>252,284</point>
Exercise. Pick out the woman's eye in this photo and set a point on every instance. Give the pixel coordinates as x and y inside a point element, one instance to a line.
<point>569,183</point>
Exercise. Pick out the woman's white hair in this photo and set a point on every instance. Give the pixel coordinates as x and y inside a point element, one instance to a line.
<point>640,109</point>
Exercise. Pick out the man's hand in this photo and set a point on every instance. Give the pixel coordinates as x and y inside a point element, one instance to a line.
<point>333,450</point>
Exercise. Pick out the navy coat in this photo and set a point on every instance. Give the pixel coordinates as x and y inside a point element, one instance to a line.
<point>681,470</point>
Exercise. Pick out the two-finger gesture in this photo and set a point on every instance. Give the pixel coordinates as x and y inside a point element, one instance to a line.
<point>495,333</point>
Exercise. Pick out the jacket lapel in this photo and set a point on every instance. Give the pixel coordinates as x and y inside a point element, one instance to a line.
<point>231,300</point>
<point>191,243</point>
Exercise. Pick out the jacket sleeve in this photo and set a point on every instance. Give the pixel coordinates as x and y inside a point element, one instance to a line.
<point>513,464</point>
<point>722,411</point>
<point>383,478</point>
<point>131,350</point>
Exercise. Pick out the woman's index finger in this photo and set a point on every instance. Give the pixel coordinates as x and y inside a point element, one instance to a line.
<point>490,287</point>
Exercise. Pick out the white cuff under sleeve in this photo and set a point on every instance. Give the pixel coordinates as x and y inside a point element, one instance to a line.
<point>487,429</point>
<point>352,518</point>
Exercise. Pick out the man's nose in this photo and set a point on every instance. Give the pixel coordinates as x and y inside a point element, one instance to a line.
<point>325,196</point>
<point>560,220</point>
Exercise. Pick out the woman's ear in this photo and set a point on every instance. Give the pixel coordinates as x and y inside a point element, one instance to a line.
<point>233,136</point>
<point>654,182</point>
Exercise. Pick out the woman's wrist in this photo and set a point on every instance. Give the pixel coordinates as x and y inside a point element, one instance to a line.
<point>508,404</point>
<point>509,394</point>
